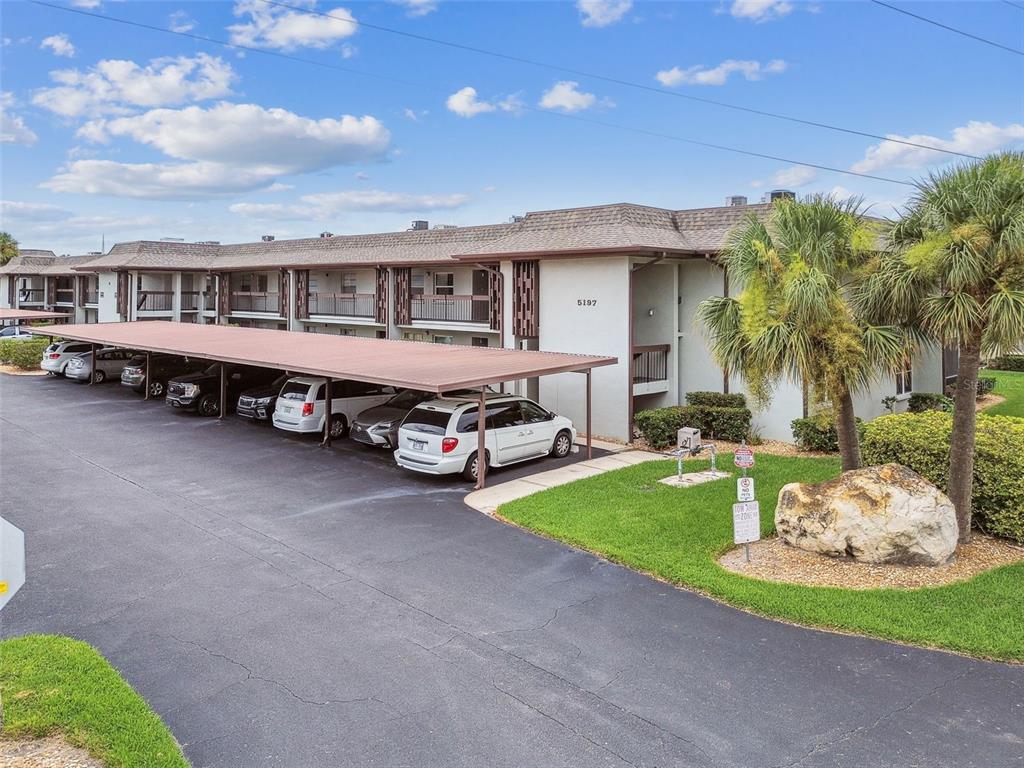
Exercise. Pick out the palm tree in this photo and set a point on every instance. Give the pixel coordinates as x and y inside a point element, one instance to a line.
<point>792,318</point>
<point>8,247</point>
<point>956,272</point>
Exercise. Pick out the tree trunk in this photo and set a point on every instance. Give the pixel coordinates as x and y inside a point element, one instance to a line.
<point>846,429</point>
<point>965,417</point>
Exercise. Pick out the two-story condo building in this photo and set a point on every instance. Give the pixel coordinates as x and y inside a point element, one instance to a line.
<point>621,280</point>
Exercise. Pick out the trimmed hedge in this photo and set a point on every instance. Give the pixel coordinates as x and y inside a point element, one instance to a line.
<point>986,384</point>
<point>920,402</point>
<point>716,399</point>
<point>818,433</point>
<point>23,353</point>
<point>660,425</point>
<point>921,441</point>
<point>1007,363</point>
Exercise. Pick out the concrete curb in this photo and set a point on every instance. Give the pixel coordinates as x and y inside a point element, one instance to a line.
<point>489,499</point>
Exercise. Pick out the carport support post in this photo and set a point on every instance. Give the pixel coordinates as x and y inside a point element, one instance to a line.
<point>481,440</point>
<point>223,392</point>
<point>92,364</point>
<point>145,378</point>
<point>328,416</point>
<point>590,452</point>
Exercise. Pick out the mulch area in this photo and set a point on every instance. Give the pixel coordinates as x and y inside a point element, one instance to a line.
<point>11,370</point>
<point>987,401</point>
<point>773,560</point>
<point>770,447</point>
<point>49,752</point>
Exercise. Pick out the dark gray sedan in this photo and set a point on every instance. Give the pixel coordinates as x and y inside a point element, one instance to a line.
<point>378,426</point>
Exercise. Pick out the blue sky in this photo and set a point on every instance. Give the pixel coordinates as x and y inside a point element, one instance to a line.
<point>127,133</point>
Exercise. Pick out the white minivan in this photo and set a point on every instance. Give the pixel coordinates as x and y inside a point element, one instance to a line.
<point>440,437</point>
<point>300,403</point>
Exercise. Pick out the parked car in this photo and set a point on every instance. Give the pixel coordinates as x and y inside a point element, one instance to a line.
<point>109,363</point>
<point>163,367</point>
<point>14,333</point>
<point>440,437</point>
<point>378,426</point>
<point>300,404</point>
<point>57,356</point>
<point>258,403</point>
<point>201,391</point>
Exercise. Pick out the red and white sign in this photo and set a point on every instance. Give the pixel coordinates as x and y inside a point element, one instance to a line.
<point>743,458</point>
<point>745,489</point>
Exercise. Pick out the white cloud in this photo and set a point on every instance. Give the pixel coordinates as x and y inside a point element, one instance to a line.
<point>348,51</point>
<point>116,86</point>
<point>413,115</point>
<point>329,205</point>
<point>975,138</point>
<point>87,4</point>
<point>12,127</point>
<point>760,10</point>
<point>270,26</point>
<point>566,96</point>
<point>362,176</point>
<point>700,75</point>
<point>464,103</point>
<point>226,149</point>
<point>415,8</point>
<point>17,212</point>
<point>181,22</point>
<point>794,176</point>
<point>60,45</point>
<point>602,13</point>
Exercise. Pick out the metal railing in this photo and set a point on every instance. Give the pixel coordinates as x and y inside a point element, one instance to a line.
<point>650,363</point>
<point>255,301</point>
<point>191,300</point>
<point>343,304</point>
<point>155,301</point>
<point>452,309</point>
<point>65,296</point>
<point>31,295</point>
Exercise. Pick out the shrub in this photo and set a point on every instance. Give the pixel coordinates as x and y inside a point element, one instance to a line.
<point>1007,363</point>
<point>986,384</point>
<point>921,441</point>
<point>920,402</point>
<point>716,399</point>
<point>24,353</point>
<point>818,432</point>
<point>659,426</point>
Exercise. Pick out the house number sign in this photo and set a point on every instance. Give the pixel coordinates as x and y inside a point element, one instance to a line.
<point>586,302</point>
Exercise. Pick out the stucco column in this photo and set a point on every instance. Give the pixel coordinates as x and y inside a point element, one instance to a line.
<point>176,297</point>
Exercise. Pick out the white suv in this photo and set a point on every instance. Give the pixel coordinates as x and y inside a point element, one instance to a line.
<point>440,437</point>
<point>57,356</point>
<point>300,404</point>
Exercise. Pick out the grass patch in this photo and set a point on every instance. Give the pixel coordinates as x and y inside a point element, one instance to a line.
<point>55,684</point>
<point>1009,384</point>
<point>678,534</point>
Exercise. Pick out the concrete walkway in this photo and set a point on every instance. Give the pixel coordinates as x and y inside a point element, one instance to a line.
<point>489,499</point>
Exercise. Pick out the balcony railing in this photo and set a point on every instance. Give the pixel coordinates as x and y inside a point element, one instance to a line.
<point>155,301</point>
<point>255,301</point>
<point>65,296</point>
<point>31,295</point>
<point>650,363</point>
<point>452,309</point>
<point>191,301</point>
<point>343,304</point>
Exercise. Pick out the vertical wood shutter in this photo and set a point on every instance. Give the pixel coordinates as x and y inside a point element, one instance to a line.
<point>224,294</point>
<point>403,295</point>
<point>285,283</point>
<point>51,290</point>
<point>302,293</point>
<point>526,298</point>
<point>381,296</point>
<point>12,290</point>
<point>494,294</point>
<point>122,294</point>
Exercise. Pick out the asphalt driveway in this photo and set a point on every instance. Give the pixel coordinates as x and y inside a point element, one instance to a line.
<point>283,605</point>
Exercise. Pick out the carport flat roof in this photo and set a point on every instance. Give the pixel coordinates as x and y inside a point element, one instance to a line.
<point>30,314</point>
<point>413,364</point>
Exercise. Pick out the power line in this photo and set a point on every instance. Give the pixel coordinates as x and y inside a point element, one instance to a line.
<point>949,28</point>
<point>525,107</point>
<point>1018,6</point>
<point>618,81</point>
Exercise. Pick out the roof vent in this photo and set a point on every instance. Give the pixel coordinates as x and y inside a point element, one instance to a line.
<point>446,226</point>
<point>172,239</point>
<point>736,200</point>
<point>419,224</point>
<point>207,242</point>
<point>95,253</point>
<point>515,219</point>
<point>326,234</point>
<point>780,194</point>
<point>267,238</point>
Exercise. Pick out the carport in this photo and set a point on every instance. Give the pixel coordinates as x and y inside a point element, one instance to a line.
<point>25,315</point>
<point>427,367</point>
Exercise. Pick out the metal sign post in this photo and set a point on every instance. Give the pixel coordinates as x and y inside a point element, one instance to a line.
<point>746,513</point>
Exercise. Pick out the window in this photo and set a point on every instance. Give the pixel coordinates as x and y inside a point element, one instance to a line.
<point>479,341</point>
<point>348,282</point>
<point>245,282</point>
<point>427,420</point>
<point>444,283</point>
<point>904,380</point>
<point>504,415</point>
<point>416,284</point>
<point>382,334</point>
<point>533,413</point>
<point>444,339</point>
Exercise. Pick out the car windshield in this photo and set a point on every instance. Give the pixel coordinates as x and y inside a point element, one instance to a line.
<point>295,390</point>
<point>426,420</point>
<point>407,398</point>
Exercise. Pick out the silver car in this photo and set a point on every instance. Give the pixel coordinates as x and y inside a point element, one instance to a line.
<point>109,363</point>
<point>57,356</point>
<point>14,332</point>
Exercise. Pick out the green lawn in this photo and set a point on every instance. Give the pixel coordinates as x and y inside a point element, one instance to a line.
<point>55,684</point>
<point>678,534</point>
<point>1009,384</point>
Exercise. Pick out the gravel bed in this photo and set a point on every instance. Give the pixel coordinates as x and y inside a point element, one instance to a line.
<point>49,752</point>
<point>773,560</point>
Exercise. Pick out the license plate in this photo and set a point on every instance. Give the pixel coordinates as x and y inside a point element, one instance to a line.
<point>418,445</point>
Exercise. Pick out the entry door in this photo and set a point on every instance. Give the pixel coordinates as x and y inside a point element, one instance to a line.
<point>481,287</point>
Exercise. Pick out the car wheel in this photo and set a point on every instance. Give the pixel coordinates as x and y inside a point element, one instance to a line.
<point>156,388</point>
<point>208,406</point>
<point>338,427</point>
<point>469,472</point>
<point>99,377</point>
<point>562,445</point>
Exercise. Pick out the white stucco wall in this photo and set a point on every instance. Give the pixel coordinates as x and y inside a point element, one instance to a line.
<point>601,328</point>
<point>655,321</point>
<point>698,371</point>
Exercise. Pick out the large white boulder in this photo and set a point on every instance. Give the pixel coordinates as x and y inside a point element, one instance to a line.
<point>885,514</point>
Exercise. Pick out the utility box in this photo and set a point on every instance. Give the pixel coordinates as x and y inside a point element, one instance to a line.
<point>689,440</point>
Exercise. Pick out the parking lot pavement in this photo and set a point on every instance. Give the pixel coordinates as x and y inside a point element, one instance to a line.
<point>283,605</point>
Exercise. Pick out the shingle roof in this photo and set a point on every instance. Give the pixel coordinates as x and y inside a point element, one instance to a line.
<point>34,262</point>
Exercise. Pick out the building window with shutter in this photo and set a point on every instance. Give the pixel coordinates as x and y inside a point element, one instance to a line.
<point>904,379</point>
